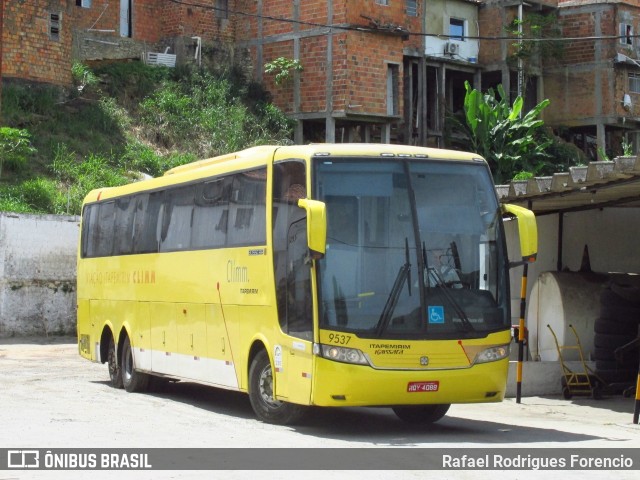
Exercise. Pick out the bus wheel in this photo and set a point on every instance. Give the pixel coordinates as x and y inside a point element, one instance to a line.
<point>266,407</point>
<point>423,414</point>
<point>132,380</point>
<point>112,363</point>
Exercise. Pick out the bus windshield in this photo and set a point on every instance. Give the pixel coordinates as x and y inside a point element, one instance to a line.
<point>414,250</point>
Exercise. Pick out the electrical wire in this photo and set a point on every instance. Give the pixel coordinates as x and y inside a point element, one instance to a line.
<point>398,29</point>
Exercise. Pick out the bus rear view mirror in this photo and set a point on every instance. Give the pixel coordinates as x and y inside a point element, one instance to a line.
<point>527,230</point>
<point>316,226</point>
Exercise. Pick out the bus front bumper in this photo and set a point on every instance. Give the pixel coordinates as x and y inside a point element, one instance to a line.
<point>341,384</point>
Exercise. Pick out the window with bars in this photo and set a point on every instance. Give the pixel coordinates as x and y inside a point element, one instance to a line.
<point>55,26</point>
<point>634,82</point>
<point>411,8</point>
<point>456,29</point>
<point>626,34</point>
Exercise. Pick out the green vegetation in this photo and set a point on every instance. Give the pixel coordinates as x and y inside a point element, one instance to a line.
<point>282,67</point>
<point>121,122</point>
<point>510,140</point>
<point>15,147</point>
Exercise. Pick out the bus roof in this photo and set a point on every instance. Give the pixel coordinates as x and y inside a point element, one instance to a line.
<point>261,155</point>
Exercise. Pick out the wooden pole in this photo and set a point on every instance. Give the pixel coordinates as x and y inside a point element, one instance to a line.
<point>521,333</point>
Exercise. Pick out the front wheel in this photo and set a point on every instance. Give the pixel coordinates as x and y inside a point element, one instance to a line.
<point>132,380</point>
<point>261,394</point>
<point>422,414</point>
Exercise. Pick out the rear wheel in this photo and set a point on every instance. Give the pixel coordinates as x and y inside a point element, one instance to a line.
<point>132,380</point>
<point>112,362</point>
<point>423,414</point>
<point>261,395</point>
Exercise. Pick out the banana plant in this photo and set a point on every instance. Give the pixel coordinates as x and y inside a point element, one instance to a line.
<point>505,136</point>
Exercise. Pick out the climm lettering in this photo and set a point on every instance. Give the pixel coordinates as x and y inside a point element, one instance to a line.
<point>144,276</point>
<point>237,273</point>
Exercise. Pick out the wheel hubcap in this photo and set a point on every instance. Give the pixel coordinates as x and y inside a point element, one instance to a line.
<point>266,388</point>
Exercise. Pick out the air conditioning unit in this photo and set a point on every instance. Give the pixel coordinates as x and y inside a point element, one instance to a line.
<point>451,48</point>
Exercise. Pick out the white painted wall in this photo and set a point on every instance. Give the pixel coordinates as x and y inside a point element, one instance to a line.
<point>438,14</point>
<point>38,274</point>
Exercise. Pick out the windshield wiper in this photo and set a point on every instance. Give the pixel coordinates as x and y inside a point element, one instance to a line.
<point>440,284</point>
<point>404,274</point>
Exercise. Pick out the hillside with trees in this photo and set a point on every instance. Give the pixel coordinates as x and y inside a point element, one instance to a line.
<point>122,122</point>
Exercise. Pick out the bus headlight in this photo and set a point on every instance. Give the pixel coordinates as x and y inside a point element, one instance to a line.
<point>343,354</point>
<point>492,354</point>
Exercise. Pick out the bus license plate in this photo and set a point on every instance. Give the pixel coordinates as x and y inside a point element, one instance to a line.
<point>414,387</point>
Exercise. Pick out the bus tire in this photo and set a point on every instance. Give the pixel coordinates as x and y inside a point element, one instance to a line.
<point>422,414</point>
<point>112,363</point>
<point>265,406</point>
<point>132,380</point>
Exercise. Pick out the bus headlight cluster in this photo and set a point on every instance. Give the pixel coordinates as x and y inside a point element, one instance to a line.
<point>493,354</point>
<point>343,354</point>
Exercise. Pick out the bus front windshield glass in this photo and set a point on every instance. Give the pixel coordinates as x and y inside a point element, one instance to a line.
<point>414,249</point>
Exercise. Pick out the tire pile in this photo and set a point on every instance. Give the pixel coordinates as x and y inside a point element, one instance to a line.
<point>617,326</point>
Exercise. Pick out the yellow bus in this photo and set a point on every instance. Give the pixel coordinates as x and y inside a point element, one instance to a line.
<point>326,275</point>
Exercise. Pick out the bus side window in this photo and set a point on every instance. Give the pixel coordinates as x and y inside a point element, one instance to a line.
<point>210,204</point>
<point>292,272</point>
<point>177,219</point>
<point>125,212</point>
<point>146,222</point>
<point>248,204</point>
<point>89,217</point>
<point>104,230</point>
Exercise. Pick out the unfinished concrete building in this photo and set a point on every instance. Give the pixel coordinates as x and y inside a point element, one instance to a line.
<point>373,70</point>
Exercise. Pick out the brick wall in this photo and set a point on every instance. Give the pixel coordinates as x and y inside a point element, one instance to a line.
<point>283,93</point>
<point>492,19</point>
<point>29,51</point>
<point>192,20</point>
<point>359,60</point>
<point>95,33</point>
<point>586,82</point>
<point>368,57</point>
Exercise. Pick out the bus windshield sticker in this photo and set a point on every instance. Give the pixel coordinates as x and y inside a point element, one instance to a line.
<point>299,346</point>
<point>436,314</point>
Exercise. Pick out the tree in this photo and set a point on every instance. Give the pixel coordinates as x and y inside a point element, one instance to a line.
<point>282,68</point>
<point>510,142</point>
<point>15,147</point>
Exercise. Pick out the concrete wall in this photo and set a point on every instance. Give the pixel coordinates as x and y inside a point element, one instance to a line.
<point>37,274</point>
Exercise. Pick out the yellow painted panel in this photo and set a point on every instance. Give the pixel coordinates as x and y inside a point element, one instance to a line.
<point>192,329</point>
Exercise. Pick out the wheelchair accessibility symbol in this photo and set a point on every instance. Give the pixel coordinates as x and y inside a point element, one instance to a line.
<point>436,314</point>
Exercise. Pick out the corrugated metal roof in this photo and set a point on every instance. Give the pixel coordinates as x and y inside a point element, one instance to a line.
<point>597,185</point>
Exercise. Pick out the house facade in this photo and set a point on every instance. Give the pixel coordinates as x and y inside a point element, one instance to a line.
<point>41,38</point>
<point>36,40</point>
<point>373,70</point>
<point>590,72</point>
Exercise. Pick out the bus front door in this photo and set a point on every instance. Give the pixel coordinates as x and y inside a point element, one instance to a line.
<point>297,348</point>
